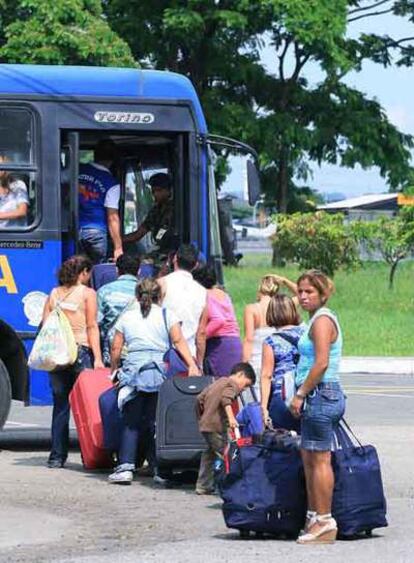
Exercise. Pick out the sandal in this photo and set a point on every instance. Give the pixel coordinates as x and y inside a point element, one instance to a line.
<point>325,533</point>
<point>309,522</point>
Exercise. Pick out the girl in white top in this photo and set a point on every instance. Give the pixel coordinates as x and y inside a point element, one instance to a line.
<point>256,330</point>
<point>147,337</point>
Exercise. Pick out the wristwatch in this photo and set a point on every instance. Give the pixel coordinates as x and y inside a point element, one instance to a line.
<point>300,394</point>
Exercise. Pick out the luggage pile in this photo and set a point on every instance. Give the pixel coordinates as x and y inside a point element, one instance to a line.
<point>99,424</point>
<point>262,485</point>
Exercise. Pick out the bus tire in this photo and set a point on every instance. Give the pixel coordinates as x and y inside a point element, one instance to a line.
<point>5,394</point>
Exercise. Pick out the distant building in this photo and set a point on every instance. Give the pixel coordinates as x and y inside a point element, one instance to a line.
<point>366,207</point>
<point>331,197</point>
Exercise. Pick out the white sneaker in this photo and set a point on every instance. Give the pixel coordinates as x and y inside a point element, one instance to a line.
<point>121,477</point>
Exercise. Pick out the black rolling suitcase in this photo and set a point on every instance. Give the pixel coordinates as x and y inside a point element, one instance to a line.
<point>179,443</point>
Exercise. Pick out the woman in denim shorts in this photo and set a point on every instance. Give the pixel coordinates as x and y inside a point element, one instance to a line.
<point>319,401</point>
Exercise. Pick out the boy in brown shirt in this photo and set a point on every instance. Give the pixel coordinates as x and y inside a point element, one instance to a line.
<point>215,415</point>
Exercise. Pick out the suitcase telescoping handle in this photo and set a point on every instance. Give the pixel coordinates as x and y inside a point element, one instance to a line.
<point>253,393</point>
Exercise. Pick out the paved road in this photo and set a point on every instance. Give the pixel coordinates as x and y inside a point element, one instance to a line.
<point>75,516</point>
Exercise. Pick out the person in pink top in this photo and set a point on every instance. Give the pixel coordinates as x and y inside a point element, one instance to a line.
<point>218,322</point>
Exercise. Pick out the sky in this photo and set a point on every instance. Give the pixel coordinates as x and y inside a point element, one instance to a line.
<point>393,87</point>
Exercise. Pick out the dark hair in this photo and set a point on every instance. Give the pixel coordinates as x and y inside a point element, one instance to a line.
<point>127,264</point>
<point>320,281</point>
<point>206,276</point>
<point>105,150</point>
<point>187,256</point>
<point>160,180</point>
<point>6,178</point>
<point>246,369</point>
<point>148,292</point>
<point>69,271</point>
<point>282,311</point>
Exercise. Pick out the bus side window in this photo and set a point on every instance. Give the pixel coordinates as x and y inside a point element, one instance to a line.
<point>18,194</point>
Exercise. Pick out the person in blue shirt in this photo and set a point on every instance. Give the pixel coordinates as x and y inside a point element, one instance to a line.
<point>319,402</point>
<point>113,299</point>
<point>99,194</point>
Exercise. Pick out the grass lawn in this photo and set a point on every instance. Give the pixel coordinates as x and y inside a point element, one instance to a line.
<point>375,321</point>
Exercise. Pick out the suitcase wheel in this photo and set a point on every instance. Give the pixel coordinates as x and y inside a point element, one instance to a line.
<point>368,533</point>
<point>259,535</point>
<point>244,534</point>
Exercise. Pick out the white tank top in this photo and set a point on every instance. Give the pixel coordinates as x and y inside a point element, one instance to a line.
<point>186,298</point>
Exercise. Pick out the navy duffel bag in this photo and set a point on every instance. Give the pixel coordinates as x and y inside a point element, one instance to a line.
<point>112,422</point>
<point>358,504</point>
<point>263,486</point>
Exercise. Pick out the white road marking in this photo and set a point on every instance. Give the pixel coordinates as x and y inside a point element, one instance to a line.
<point>23,424</point>
<point>374,394</point>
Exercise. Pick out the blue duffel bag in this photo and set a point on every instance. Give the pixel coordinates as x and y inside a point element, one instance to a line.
<point>250,418</point>
<point>112,423</point>
<point>358,504</point>
<point>263,487</point>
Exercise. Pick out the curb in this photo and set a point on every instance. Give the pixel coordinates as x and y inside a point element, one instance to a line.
<point>377,365</point>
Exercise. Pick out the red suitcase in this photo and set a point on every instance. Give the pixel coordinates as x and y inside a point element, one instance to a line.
<point>84,402</point>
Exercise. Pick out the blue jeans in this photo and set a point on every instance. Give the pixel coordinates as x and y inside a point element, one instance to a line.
<point>323,410</point>
<point>93,242</point>
<point>139,423</point>
<point>62,382</point>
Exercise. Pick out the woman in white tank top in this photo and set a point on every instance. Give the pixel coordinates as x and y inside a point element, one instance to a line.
<point>255,326</point>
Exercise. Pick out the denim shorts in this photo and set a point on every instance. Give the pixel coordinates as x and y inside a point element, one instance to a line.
<point>324,408</point>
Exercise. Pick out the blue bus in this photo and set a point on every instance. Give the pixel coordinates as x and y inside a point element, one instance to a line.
<point>51,117</point>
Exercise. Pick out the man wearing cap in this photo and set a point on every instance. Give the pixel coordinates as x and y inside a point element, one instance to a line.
<point>160,217</point>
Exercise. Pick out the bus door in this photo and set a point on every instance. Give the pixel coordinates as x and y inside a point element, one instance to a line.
<point>69,171</point>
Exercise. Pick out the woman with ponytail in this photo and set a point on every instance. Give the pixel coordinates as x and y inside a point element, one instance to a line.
<point>147,335</point>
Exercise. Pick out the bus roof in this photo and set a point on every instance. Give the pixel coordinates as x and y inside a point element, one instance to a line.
<point>99,82</point>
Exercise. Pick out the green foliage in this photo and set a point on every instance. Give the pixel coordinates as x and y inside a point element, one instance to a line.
<point>218,45</point>
<point>316,240</point>
<point>63,32</point>
<point>290,121</point>
<point>391,237</point>
<point>374,320</point>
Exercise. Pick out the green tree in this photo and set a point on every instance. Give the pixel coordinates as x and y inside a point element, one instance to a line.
<point>327,121</point>
<point>316,240</point>
<point>290,120</point>
<point>59,32</point>
<point>391,237</point>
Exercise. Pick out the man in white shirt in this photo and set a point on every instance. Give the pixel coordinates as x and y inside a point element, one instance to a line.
<point>99,194</point>
<point>185,297</point>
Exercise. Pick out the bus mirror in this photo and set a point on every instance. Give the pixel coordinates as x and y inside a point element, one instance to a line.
<point>253,182</point>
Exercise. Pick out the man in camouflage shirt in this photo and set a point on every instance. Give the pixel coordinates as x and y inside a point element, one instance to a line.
<point>159,221</point>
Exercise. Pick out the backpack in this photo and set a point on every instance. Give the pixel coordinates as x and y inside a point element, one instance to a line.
<point>287,381</point>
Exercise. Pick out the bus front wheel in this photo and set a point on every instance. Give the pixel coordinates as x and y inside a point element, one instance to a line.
<point>5,394</point>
